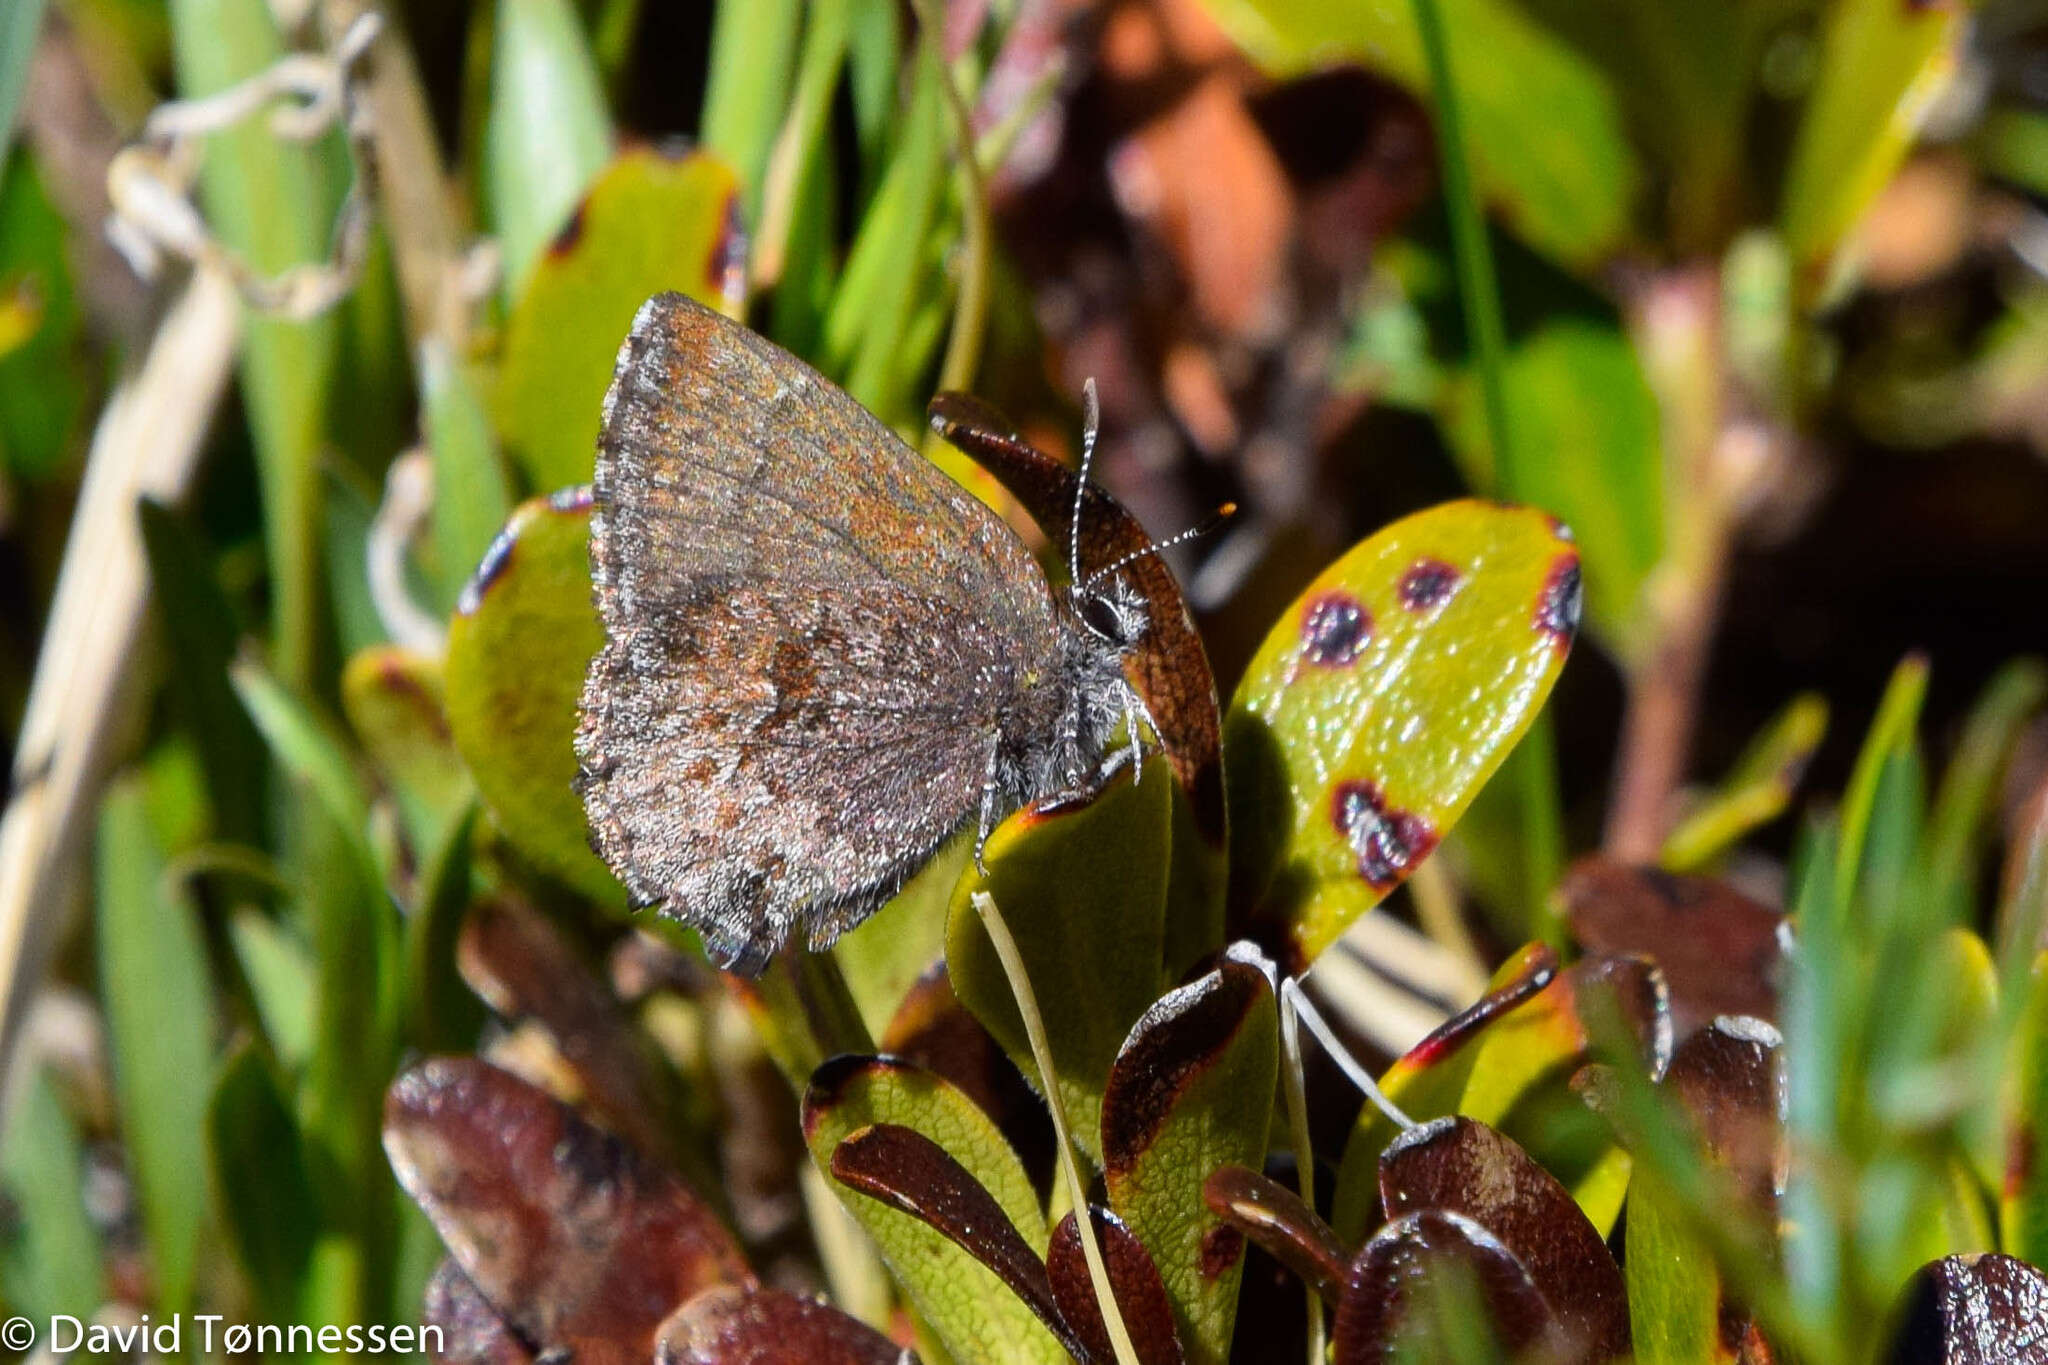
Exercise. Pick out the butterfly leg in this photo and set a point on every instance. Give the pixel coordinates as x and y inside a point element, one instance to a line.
<point>988,802</point>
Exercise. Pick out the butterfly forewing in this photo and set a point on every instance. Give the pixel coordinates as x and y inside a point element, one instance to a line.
<point>812,637</point>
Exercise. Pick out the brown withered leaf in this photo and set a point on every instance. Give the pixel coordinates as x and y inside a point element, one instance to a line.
<point>1730,1078</point>
<point>1973,1310</point>
<point>1719,950</point>
<point>472,1332</point>
<point>735,1326</point>
<point>1461,1166</point>
<point>578,1240</point>
<point>525,968</point>
<point>907,1170</point>
<point>1274,1217</point>
<point>1133,1278</point>
<point>1414,1253</point>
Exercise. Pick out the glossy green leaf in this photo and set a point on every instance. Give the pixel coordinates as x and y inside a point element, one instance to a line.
<point>393,699</point>
<point>1083,889</point>
<point>1566,181</point>
<point>49,1251</point>
<point>159,1006</point>
<point>1192,1090</point>
<point>517,651</point>
<point>268,199</point>
<point>885,955</point>
<point>1381,701</point>
<point>548,132</point>
<point>1757,790</point>
<point>471,499</point>
<point>280,976</point>
<point>962,1300</point>
<point>267,1205</point>
<point>650,222</point>
<point>1589,449</point>
<point>1881,65</point>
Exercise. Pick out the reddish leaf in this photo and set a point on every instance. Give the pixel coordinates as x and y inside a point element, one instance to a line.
<point>472,1332</point>
<point>1459,1166</point>
<point>733,1326</point>
<point>578,1240</point>
<point>1730,1078</point>
<point>1170,669</point>
<point>1720,950</point>
<point>524,967</point>
<point>1288,1230</point>
<point>907,1170</point>
<point>1974,1310</point>
<point>1411,1253</point>
<point>1133,1278</point>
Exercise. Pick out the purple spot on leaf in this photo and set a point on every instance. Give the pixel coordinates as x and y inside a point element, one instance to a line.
<point>1558,605</point>
<point>1428,583</point>
<point>495,559</point>
<point>1334,629</point>
<point>1386,842</point>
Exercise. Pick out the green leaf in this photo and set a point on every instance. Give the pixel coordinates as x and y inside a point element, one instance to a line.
<point>267,199</point>
<point>1566,180</point>
<point>267,1204</point>
<point>962,1300</point>
<point>201,632</point>
<point>158,1002</point>
<point>548,131</point>
<point>49,1252</point>
<point>1956,826</point>
<point>1891,733</point>
<point>1083,889</point>
<point>1881,65</point>
<point>23,23</point>
<point>1379,704</point>
<point>471,500</point>
<point>1587,432</point>
<point>280,977</point>
<point>306,746</point>
<point>44,360</point>
<point>393,700</point>
<point>2023,1201</point>
<point>517,652</point>
<point>445,1014</point>
<point>1757,790</point>
<point>357,625</point>
<point>753,59</point>
<point>1192,1090</point>
<point>650,222</point>
<point>883,957</point>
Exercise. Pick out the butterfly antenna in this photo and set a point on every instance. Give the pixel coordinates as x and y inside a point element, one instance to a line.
<point>1205,527</point>
<point>1091,422</point>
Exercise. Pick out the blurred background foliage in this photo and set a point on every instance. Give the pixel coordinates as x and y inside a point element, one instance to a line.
<point>1752,297</point>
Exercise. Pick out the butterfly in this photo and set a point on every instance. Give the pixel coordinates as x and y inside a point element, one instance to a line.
<point>823,658</point>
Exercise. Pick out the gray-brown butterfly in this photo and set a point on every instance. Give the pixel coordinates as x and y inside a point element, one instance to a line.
<point>823,658</point>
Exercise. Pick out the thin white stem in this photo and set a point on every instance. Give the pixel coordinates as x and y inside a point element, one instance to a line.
<point>1294,1082</point>
<point>1041,1052</point>
<point>1295,1000</point>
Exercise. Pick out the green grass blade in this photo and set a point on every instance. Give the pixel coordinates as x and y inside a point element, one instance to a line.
<point>753,55</point>
<point>1892,730</point>
<point>158,1001</point>
<point>20,23</point>
<point>49,1252</point>
<point>548,132</point>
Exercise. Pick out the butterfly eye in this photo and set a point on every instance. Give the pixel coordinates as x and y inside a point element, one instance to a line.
<point>1111,618</point>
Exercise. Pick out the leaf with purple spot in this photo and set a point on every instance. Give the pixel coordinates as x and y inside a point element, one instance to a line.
<point>518,646</point>
<point>651,221</point>
<point>1379,705</point>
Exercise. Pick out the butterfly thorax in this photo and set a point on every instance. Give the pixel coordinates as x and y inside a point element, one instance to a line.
<point>1054,740</point>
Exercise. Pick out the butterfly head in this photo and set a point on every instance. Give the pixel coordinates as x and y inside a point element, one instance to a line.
<point>1111,610</point>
